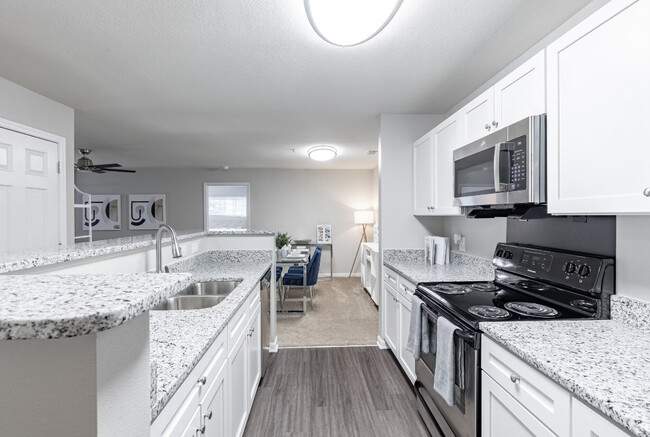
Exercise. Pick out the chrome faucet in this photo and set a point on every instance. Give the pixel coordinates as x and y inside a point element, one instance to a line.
<point>176,249</point>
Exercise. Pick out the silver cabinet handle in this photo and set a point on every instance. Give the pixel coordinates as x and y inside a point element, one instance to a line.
<point>495,123</point>
<point>646,192</point>
<point>202,380</point>
<point>487,126</point>
<point>201,430</point>
<point>515,378</point>
<point>209,415</point>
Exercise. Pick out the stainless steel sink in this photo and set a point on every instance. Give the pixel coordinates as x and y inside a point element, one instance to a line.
<point>188,302</point>
<point>211,288</point>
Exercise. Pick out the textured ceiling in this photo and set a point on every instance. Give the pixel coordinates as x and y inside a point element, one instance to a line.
<point>241,82</point>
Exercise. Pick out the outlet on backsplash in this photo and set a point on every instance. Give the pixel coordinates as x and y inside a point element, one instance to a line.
<point>459,240</point>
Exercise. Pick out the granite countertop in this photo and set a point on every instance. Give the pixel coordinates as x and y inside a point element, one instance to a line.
<point>56,306</point>
<point>605,363</point>
<point>27,259</point>
<point>410,263</point>
<point>179,339</point>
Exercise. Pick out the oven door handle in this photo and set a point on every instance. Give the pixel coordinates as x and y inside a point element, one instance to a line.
<point>500,186</point>
<point>467,336</point>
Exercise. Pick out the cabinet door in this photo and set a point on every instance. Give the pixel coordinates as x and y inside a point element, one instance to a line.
<point>405,357</point>
<point>597,94</point>
<point>391,319</point>
<point>503,416</point>
<point>254,357</point>
<point>585,422</point>
<point>476,117</point>
<point>238,387</point>
<point>186,417</point>
<point>521,93</point>
<point>214,408</point>
<point>423,181</point>
<point>193,427</point>
<point>446,139</point>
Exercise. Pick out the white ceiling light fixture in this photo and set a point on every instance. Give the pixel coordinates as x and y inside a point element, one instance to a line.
<point>348,23</point>
<point>322,153</point>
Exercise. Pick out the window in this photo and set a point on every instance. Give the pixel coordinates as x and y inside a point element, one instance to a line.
<point>226,207</point>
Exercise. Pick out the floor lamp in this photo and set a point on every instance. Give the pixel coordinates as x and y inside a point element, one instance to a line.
<point>363,218</point>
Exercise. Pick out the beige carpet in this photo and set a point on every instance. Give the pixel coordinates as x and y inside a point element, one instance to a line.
<point>343,315</point>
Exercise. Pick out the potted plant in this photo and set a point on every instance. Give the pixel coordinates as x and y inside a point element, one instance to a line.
<point>282,240</point>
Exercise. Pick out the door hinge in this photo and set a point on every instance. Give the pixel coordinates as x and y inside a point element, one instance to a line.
<point>58,167</point>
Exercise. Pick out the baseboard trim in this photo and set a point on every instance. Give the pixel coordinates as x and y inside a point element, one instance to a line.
<point>273,346</point>
<point>339,275</point>
<point>381,343</point>
<point>326,347</point>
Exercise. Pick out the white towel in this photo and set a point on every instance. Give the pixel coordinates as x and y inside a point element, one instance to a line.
<point>443,380</point>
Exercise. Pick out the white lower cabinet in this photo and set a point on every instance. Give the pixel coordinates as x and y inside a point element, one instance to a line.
<point>216,398</point>
<point>391,318</point>
<point>405,357</point>
<point>518,400</point>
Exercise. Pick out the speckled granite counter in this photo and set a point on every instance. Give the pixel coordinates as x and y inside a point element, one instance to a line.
<point>55,306</point>
<point>27,259</point>
<point>180,338</point>
<point>605,363</point>
<point>410,264</point>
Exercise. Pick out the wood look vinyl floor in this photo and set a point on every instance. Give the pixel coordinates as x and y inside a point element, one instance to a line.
<point>350,391</point>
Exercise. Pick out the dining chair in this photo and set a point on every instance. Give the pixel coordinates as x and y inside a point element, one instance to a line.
<point>293,277</point>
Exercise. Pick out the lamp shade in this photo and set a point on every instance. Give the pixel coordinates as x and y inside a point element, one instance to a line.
<point>364,217</point>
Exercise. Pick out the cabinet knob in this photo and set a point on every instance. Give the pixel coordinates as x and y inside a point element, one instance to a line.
<point>202,380</point>
<point>201,430</point>
<point>646,192</point>
<point>515,378</point>
<point>495,123</point>
<point>487,126</point>
<point>209,415</point>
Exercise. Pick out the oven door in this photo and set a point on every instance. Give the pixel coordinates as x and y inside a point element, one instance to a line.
<point>442,420</point>
<point>480,171</point>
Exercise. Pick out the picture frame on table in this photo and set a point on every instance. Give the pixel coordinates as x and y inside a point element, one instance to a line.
<point>324,234</point>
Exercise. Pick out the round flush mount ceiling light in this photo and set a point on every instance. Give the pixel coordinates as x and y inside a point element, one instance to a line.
<point>322,153</point>
<point>350,22</point>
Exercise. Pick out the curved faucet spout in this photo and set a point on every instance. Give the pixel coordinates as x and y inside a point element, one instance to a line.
<point>176,249</point>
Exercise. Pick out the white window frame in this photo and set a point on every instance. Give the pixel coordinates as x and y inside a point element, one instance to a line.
<point>206,187</point>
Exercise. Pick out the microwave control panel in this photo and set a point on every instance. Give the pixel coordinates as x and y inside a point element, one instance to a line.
<point>518,164</point>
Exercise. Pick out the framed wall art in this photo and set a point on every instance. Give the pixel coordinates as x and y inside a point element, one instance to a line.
<point>147,211</point>
<point>324,234</point>
<point>105,213</point>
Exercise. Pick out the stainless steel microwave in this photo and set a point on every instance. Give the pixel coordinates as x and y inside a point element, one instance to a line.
<point>507,167</point>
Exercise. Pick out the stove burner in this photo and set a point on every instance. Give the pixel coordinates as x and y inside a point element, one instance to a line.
<point>447,288</point>
<point>531,309</point>
<point>484,286</point>
<point>532,285</point>
<point>489,312</point>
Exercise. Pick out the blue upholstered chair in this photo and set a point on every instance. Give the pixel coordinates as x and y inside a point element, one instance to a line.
<point>278,273</point>
<point>293,277</point>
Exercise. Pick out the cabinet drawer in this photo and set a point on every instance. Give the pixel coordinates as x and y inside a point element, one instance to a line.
<point>405,288</point>
<point>589,423</point>
<point>253,300</point>
<point>216,363</point>
<point>390,278</point>
<point>237,326</point>
<point>185,417</point>
<point>549,402</point>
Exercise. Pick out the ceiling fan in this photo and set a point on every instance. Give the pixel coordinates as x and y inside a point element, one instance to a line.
<point>85,164</point>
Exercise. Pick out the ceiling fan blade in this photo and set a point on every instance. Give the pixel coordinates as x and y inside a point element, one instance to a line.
<point>107,165</point>
<point>97,170</point>
<point>104,170</point>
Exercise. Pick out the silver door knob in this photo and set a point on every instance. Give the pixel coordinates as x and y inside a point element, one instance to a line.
<point>202,381</point>
<point>487,126</point>
<point>515,378</point>
<point>209,415</point>
<point>646,192</point>
<point>495,123</point>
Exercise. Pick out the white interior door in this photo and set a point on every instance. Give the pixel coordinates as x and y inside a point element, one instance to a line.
<point>29,192</point>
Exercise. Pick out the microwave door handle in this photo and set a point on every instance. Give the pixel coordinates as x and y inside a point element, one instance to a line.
<point>500,186</point>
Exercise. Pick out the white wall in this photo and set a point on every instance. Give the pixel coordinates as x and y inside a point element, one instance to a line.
<point>632,256</point>
<point>481,235</point>
<point>398,227</point>
<point>294,201</point>
<point>23,106</point>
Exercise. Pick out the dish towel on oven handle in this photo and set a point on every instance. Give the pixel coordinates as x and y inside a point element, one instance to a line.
<point>444,376</point>
<point>418,340</point>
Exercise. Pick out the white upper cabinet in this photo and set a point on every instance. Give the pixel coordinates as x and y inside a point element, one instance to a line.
<point>476,117</point>
<point>521,93</point>
<point>446,140</point>
<point>518,95</point>
<point>598,107</point>
<point>423,181</point>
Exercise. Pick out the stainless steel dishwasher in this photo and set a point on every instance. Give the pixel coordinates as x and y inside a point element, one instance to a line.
<point>266,318</point>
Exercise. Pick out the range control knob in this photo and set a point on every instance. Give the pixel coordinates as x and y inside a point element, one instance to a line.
<point>584,271</point>
<point>570,267</point>
<point>508,254</point>
<point>499,253</point>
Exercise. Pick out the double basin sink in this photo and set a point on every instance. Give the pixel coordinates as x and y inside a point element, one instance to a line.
<point>198,295</point>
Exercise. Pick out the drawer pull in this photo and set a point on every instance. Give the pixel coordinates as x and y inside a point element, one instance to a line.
<point>209,415</point>
<point>202,380</point>
<point>201,430</point>
<point>515,378</point>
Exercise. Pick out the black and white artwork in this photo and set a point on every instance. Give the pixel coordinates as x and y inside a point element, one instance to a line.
<point>146,211</point>
<point>104,214</point>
